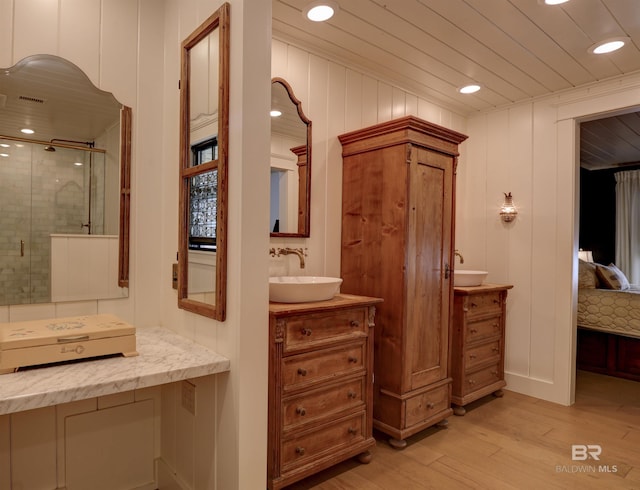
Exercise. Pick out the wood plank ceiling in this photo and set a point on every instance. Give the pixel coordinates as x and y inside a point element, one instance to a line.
<point>515,49</point>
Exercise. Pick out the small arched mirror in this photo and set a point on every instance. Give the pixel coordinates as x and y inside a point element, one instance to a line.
<point>290,163</point>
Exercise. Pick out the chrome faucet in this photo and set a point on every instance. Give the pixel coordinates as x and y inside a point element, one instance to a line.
<point>300,252</point>
<point>455,252</point>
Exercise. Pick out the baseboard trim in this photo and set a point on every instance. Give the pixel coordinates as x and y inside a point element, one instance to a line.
<point>168,479</point>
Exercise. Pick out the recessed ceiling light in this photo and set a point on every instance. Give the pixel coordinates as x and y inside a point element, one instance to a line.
<point>320,10</point>
<point>554,2</point>
<point>4,155</point>
<point>27,131</point>
<point>469,89</point>
<point>4,145</point>
<point>275,113</point>
<point>78,164</point>
<point>608,45</point>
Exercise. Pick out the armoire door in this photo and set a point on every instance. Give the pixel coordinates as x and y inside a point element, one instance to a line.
<point>428,275</point>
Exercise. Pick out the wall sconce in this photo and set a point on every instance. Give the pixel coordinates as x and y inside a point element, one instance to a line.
<point>508,211</point>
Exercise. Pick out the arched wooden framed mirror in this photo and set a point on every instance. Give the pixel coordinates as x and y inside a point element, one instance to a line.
<point>204,128</point>
<point>290,197</point>
<point>64,188</point>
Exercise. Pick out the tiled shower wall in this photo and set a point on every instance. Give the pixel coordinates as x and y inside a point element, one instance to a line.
<point>41,193</point>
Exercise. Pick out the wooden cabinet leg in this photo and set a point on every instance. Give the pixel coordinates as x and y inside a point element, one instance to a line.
<point>498,393</point>
<point>397,443</point>
<point>459,410</point>
<point>443,424</point>
<point>365,457</point>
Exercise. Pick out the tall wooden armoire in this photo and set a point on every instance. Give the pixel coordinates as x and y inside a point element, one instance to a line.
<point>397,244</point>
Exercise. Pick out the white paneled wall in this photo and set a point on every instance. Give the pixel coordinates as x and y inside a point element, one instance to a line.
<point>338,99</point>
<point>530,149</point>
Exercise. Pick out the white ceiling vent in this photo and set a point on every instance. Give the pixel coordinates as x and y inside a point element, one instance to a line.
<point>35,100</point>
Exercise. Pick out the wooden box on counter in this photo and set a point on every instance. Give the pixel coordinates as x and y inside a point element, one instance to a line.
<point>320,386</point>
<point>63,339</point>
<point>477,343</point>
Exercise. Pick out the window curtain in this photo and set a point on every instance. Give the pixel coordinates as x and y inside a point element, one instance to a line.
<point>628,224</point>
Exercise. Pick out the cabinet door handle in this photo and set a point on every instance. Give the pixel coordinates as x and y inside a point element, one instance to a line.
<point>306,331</point>
<point>352,431</point>
<point>473,330</point>
<point>300,451</point>
<point>471,382</point>
<point>353,359</point>
<point>447,271</point>
<point>302,372</point>
<point>352,394</point>
<point>354,323</point>
<point>430,405</point>
<point>495,349</point>
<point>301,411</point>
<point>21,248</point>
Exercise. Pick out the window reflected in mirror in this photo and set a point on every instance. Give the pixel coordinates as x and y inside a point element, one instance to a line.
<point>290,195</point>
<point>204,101</point>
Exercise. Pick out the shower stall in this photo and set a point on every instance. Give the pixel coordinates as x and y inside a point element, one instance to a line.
<point>44,190</point>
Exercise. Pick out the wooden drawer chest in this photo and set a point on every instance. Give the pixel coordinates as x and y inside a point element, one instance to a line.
<point>477,343</point>
<point>320,386</point>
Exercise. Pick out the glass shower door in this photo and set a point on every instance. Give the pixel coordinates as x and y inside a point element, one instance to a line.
<point>15,224</point>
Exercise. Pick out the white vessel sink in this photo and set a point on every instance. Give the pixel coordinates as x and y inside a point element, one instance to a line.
<point>302,289</point>
<point>468,278</point>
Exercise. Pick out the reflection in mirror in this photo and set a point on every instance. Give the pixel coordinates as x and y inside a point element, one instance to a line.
<point>64,186</point>
<point>290,163</point>
<point>204,102</point>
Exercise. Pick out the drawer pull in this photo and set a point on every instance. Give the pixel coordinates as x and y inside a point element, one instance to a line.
<point>471,382</point>
<point>473,305</point>
<point>496,325</point>
<point>495,373</point>
<point>353,359</point>
<point>352,394</point>
<point>430,405</point>
<point>496,302</point>
<point>353,431</point>
<point>301,411</point>
<point>302,372</point>
<point>354,323</point>
<point>473,330</point>
<point>472,356</point>
<point>306,331</point>
<point>300,451</point>
<point>495,349</point>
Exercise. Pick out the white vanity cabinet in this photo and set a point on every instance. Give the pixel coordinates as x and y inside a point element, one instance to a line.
<point>142,422</point>
<point>100,443</point>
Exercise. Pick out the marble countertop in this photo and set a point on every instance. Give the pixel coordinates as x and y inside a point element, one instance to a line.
<point>164,357</point>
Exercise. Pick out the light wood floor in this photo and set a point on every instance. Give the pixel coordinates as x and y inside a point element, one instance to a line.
<point>514,442</point>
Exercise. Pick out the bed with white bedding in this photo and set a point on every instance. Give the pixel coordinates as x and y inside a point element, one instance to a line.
<point>608,322</point>
<point>610,310</point>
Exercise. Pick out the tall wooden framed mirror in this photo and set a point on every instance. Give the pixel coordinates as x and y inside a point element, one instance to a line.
<point>290,191</point>
<point>204,128</point>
